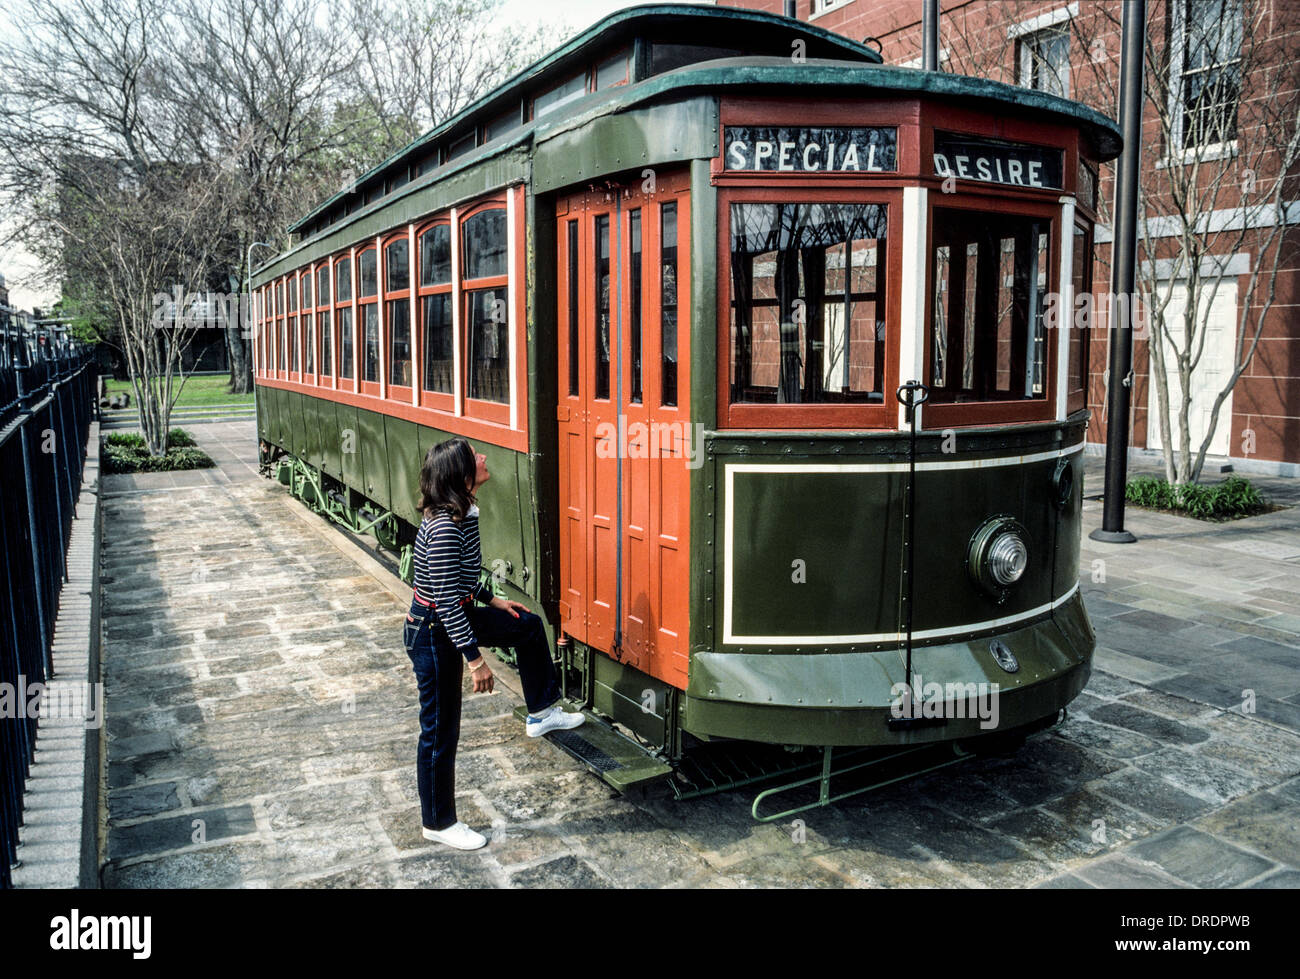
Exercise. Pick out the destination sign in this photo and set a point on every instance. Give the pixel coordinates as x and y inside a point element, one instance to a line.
<point>996,162</point>
<point>803,149</point>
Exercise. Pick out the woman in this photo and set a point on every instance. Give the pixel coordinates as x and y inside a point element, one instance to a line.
<point>445,625</point>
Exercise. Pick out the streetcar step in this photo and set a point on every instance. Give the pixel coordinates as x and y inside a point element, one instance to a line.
<point>616,758</point>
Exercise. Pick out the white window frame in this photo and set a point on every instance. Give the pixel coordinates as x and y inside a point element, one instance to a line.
<point>1178,150</point>
<point>1024,58</point>
<point>826,6</point>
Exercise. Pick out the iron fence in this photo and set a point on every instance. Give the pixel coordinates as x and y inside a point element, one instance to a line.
<point>47,401</point>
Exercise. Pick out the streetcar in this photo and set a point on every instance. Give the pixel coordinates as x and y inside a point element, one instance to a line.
<point>772,352</point>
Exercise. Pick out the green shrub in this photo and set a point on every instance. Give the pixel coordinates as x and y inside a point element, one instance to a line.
<point>1234,497</point>
<point>132,440</point>
<point>126,452</point>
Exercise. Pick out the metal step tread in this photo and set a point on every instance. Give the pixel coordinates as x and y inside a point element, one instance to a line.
<point>616,758</point>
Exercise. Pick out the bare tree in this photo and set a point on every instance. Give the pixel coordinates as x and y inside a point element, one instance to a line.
<point>94,168</point>
<point>422,62</point>
<point>252,84</point>
<point>1221,145</point>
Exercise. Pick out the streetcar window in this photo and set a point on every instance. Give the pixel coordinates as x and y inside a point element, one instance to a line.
<point>463,145</point>
<point>666,57</point>
<point>309,328</point>
<point>808,303</point>
<point>573,310</point>
<point>323,326</point>
<point>988,341</point>
<point>323,285</point>
<point>1079,335</point>
<point>438,339</point>
<point>489,345</point>
<point>370,365</point>
<point>369,284</point>
<point>501,125</point>
<point>306,291</point>
<point>343,280</point>
<point>293,296</point>
<point>574,88</point>
<point>399,349</point>
<point>435,256</point>
<point>485,244</point>
<point>397,263</point>
<point>634,302</point>
<point>613,71</point>
<point>397,310</point>
<point>345,342</point>
<point>602,307</point>
<point>668,300</point>
<point>488,318</point>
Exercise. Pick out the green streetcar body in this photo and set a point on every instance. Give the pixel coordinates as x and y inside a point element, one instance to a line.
<point>772,659</point>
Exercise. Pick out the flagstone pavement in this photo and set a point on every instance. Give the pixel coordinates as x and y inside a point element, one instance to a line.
<point>262,719</point>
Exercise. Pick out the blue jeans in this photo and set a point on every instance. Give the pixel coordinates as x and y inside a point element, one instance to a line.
<point>439,669</point>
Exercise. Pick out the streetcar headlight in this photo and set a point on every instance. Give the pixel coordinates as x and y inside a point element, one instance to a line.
<point>998,556</point>
<point>1008,558</point>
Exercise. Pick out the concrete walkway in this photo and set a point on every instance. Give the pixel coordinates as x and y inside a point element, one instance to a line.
<point>262,719</point>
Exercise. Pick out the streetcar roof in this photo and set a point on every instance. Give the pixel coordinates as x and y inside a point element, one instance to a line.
<point>850,65</point>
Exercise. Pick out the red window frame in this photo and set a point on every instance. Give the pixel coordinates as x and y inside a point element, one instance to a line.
<point>743,415</point>
<point>395,392</point>
<point>975,413</point>
<point>371,388</point>
<point>489,422</point>
<point>1076,398</point>
<point>490,411</point>
<point>322,310</point>
<point>307,321</point>
<point>344,383</point>
<point>437,400</point>
<point>293,328</point>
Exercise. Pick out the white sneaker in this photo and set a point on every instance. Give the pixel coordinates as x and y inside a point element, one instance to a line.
<point>552,719</point>
<point>458,835</point>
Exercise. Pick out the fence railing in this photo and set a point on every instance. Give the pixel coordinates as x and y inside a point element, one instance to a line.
<point>47,401</point>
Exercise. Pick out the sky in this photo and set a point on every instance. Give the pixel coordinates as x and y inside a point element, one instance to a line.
<point>16,265</point>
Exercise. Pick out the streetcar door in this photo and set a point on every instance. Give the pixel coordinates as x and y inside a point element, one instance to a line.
<point>626,444</point>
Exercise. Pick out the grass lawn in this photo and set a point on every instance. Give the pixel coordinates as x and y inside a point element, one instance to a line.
<point>202,389</point>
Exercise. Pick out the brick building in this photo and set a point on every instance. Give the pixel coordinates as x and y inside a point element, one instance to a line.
<point>1217,222</point>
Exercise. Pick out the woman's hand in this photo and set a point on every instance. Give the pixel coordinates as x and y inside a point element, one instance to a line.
<point>506,605</point>
<point>481,673</point>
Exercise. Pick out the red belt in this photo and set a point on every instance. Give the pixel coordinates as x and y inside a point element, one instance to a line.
<point>416,595</point>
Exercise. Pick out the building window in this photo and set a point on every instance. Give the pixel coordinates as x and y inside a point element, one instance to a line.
<point>343,313</point>
<point>397,309</point>
<point>1205,72</point>
<point>990,281</point>
<point>487,304</point>
<point>808,303</point>
<point>436,309</point>
<point>1043,59</point>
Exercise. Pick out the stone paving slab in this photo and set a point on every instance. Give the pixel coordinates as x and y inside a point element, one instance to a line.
<point>262,719</point>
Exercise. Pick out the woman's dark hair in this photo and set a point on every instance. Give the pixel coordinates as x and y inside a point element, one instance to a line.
<point>448,468</point>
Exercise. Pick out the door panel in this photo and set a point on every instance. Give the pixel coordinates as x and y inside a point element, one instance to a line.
<point>623,418</point>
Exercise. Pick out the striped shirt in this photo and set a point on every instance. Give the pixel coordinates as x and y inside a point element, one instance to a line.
<point>447,564</point>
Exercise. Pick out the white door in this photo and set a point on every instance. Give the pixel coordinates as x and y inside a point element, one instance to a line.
<point>1208,377</point>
